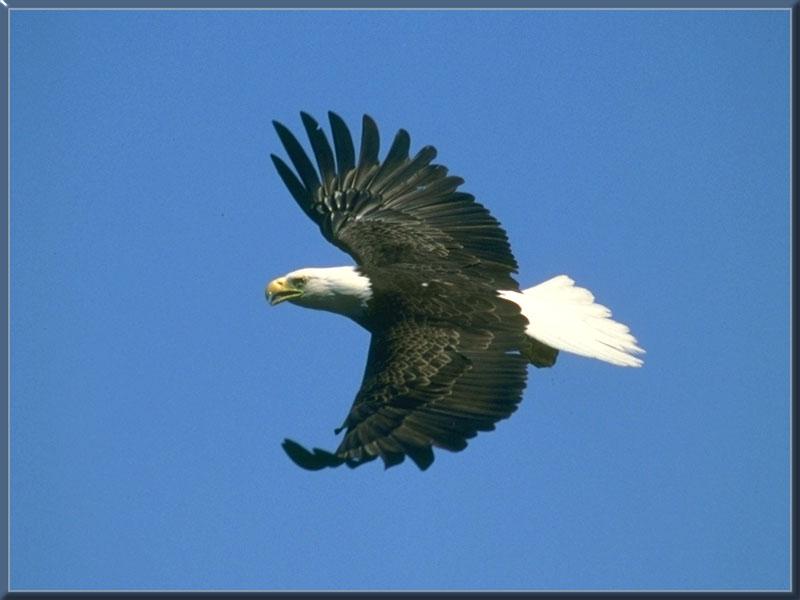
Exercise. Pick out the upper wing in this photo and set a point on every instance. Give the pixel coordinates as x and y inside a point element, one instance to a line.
<point>403,210</point>
<point>425,385</point>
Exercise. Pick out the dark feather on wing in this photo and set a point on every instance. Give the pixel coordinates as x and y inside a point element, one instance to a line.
<point>444,366</point>
<point>401,210</point>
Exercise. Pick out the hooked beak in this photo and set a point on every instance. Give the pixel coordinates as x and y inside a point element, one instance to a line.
<point>279,290</point>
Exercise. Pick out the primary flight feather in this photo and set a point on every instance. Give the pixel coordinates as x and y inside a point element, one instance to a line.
<point>452,333</point>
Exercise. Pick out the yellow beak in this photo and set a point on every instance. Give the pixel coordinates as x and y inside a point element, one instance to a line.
<point>279,290</point>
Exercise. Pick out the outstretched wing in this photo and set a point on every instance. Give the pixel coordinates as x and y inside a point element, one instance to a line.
<point>426,384</point>
<point>401,210</point>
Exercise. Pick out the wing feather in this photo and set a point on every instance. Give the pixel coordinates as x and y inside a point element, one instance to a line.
<point>299,159</point>
<point>432,383</point>
<point>343,143</point>
<point>370,143</point>
<point>468,390</point>
<point>404,177</point>
<point>396,157</point>
<point>294,185</point>
<point>403,210</point>
<point>322,151</point>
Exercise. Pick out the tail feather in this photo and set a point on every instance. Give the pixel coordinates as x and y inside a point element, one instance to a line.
<point>566,317</point>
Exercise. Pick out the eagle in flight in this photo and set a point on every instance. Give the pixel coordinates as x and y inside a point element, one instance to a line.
<point>452,332</point>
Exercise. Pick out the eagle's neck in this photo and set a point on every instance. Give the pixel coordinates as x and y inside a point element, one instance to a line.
<point>341,290</point>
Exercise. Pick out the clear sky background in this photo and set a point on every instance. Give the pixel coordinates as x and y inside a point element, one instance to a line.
<point>643,153</point>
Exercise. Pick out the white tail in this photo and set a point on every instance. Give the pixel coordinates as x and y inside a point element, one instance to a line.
<point>566,317</point>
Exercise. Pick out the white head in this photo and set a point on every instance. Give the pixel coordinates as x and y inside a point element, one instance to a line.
<point>342,290</point>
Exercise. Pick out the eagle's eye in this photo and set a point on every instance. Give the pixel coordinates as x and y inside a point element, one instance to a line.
<point>298,281</point>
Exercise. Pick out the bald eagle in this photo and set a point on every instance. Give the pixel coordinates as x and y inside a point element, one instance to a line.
<point>451,331</point>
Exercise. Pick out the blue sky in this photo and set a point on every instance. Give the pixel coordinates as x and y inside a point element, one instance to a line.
<point>643,153</point>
